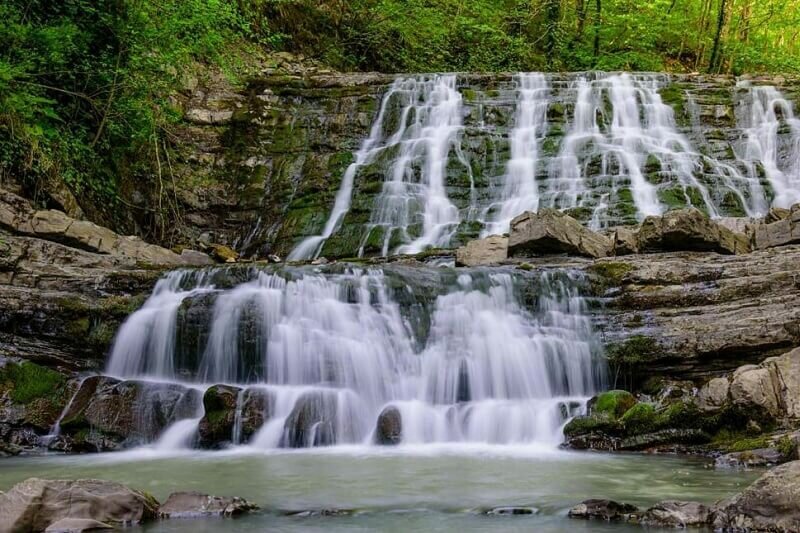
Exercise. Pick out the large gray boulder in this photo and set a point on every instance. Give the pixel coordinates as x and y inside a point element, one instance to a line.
<point>781,227</point>
<point>771,503</point>
<point>489,251</point>
<point>689,230</point>
<point>36,504</point>
<point>550,231</point>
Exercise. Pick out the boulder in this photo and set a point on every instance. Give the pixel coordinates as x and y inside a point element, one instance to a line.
<point>743,225</point>
<point>786,369</point>
<point>312,421</point>
<point>776,214</point>
<point>36,504</point>
<point>755,386</point>
<point>389,430</point>
<point>771,503</point>
<point>603,510</point>
<point>216,426</point>
<point>196,504</point>
<point>750,458</point>
<point>488,251</point>
<point>625,241</point>
<point>676,514</point>
<point>550,231</point>
<point>777,231</point>
<point>713,395</point>
<point>224,254</point>
<point>195,258</point>
<point>257,405</point>
<point>689,230</point>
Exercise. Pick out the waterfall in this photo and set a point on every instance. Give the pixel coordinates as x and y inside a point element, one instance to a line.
<point>762,115</point>
<point>520,191</point>
<point>413,209</point>
<point>491,357</point>
<point>609,148</point>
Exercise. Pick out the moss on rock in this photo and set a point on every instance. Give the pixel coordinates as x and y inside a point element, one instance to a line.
<point>613,403</point>
<point>28,381</point>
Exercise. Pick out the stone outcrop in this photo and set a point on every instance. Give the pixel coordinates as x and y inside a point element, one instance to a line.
<point>491,250</point>
<point>219,406</point>
<point>197,504</point>
<point>781,227</point>
<point>36,504</point>
<point>689,230</point>
<point>607,510</point>
<point>549,231</point>
<point>771,503</point>
<point>19,217</point>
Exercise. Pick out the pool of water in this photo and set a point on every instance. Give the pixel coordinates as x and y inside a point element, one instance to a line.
<point>426,488</point>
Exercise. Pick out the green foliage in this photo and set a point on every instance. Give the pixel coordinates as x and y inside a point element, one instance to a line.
<point>635,350</point>
<point>28,381</point>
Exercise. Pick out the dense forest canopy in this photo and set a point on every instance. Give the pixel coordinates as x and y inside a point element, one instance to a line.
<point>86,85</point>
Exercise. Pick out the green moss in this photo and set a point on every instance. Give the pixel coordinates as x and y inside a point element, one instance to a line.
<point>787,447</point>
<point>672,197</point>
<point>613,403</point>
<point>122,305</point>
<point>611,272</point>
<point>525,266</point>
<point>635,350</point>
<point>752,443</point>
<point>598,422</point>
<point>78,327</point>
<point>102,334</point>
<point>28,381</point>
<point>641,418</point>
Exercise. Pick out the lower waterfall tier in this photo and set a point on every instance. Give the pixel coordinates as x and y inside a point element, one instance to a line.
<point>300,357</point>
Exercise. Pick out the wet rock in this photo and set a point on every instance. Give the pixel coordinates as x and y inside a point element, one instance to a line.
<point>389,429</point>
<point>614,403</point>
<point>196,504</point>
<point>552,232</point>
<point>669,436</point>
<point>760,457</point>
<point>488,251</point>
<point>599,509</point>
<point>77,525</point>
<point>676,514</point>
<point>771,503</point>
<point>216,426</point>
<point>257,406</point>
<point>35,504</point>
<point>689,230</point>
<point>320,512</point>
<point>312,421</point>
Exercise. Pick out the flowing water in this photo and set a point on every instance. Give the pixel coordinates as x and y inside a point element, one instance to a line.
<point>474,356</point>
<point>606,147</point>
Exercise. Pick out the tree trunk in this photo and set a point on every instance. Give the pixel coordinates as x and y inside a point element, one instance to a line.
<point>714,61</point>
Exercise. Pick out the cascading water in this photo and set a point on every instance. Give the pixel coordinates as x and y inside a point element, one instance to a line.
<point>520,191</point>
<point>608,148</point>
<point>461,359</point>
<point>762,115</point>
<point>413,208</point>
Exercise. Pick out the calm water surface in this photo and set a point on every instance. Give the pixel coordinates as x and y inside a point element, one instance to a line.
<point>426,488</point>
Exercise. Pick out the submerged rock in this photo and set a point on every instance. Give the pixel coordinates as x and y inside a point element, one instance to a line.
<point>196,504</point>
<point>77,525</point>
<point>389,430</point>
<point>759,457</point>
<point>549,231</point>
<point>36,504</point>
<point>505,511</point>
<point>603,510</point>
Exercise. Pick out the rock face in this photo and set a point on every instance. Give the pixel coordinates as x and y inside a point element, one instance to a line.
<point>676,514</point>
<point>196,504</point>
<point>488,251</point>
<point>689,229</point>
<point>771,503</point>
<point>551,232</point>
<point>36,504</point>
<point>782,227</point>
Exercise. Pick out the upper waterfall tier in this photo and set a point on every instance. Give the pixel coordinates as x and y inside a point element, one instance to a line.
<point>481,356</point>
<point>447,160</point>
